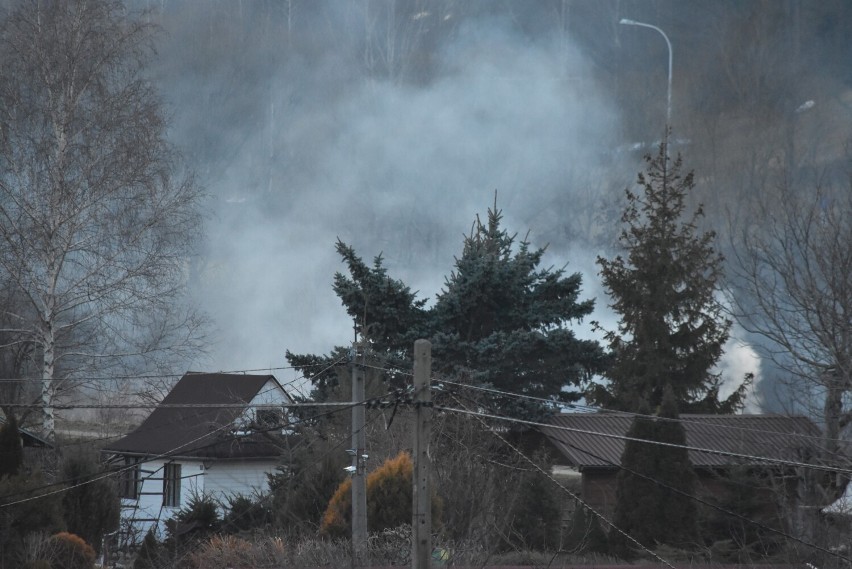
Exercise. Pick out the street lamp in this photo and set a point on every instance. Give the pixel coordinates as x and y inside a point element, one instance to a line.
<point>628,22</point>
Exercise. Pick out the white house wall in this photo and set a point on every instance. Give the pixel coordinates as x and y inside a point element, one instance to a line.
<point>218,480</point>
<point>148,510</point>
<point>228,479</point>
<point>271,394</point>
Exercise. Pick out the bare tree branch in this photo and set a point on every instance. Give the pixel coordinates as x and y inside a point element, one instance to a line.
<point>97,216</point>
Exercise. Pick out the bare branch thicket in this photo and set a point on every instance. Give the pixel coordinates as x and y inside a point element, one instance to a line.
<point>792,287</point>
<point>480,484</point>
<point>398,36</point>
<point>97,215</point>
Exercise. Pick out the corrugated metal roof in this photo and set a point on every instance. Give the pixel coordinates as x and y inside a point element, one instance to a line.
<point>591,439</point>
<point>182,431</point>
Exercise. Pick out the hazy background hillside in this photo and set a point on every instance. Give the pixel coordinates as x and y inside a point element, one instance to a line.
<point>391,123</point>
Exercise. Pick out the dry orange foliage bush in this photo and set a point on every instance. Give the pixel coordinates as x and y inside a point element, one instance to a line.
<point>388,500</point>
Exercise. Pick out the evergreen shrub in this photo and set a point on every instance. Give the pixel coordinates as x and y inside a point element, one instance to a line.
<point>24,519</point>
<point>11,449</point>
<point>91,507</point>
<point>148,556</point>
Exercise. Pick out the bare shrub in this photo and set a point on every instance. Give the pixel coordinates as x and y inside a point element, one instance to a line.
<point>70,551</point>
<point>225,551</point>
<point>390,547</point>
<point>334,554</point>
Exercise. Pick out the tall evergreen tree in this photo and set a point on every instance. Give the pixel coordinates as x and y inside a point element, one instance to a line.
<point>500,320</point>
<point>653,503</point>
<point>665,290</point>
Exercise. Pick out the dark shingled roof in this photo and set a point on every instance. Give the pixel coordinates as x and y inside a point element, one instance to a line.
<point>592,442</point>
<point>200,431</point>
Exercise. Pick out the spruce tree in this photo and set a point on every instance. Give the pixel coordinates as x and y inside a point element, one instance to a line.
<point>665,288</point>
<point>501,319</point>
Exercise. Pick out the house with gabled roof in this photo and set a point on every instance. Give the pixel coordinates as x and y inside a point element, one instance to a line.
<point>214,434</point>
<point>590,446</point>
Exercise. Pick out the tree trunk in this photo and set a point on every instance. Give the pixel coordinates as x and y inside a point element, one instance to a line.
<point>47,387</point>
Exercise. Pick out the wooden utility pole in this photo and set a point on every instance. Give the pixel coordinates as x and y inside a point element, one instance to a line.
<point>359,460</point>
<point>421,522</point>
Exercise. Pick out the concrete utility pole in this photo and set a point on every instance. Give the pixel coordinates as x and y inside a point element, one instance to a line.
<point>359,459</point>
<point>421,523</point>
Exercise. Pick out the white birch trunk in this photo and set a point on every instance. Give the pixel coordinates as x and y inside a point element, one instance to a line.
<point>47,387</point>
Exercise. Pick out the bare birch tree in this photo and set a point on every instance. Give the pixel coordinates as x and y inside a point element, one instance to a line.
<point>97,216</point>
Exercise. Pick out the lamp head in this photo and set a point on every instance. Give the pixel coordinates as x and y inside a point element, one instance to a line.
<point>627,22</point>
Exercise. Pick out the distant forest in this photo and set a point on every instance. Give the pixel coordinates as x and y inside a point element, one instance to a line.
<point>755,83</point>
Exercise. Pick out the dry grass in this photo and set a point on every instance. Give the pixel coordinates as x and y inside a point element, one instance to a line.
<point>389,548</point>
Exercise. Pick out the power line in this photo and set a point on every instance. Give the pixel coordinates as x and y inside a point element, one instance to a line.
<point>177,405</point>
<point>160,405</point>
<point>569,492</point>
<point>163,375</point>
<point>151,405</point>
<point>587,408</point>
<point>140,429</point>
<point>168,454</point>
<point>689,421</point>
<point>516,395</point>
<point>594,409</point>
<point>682,493</point>
<point>107,475</point>
<point>715,506</point>
<point>659,443</point>
<point>177,420</point>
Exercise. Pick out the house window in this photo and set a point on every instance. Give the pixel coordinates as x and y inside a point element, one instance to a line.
<point>130,480</point>
<point>269,417</point>
<point>171,485</point>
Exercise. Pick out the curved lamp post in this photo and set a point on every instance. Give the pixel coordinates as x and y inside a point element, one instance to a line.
<point>628,22</point>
